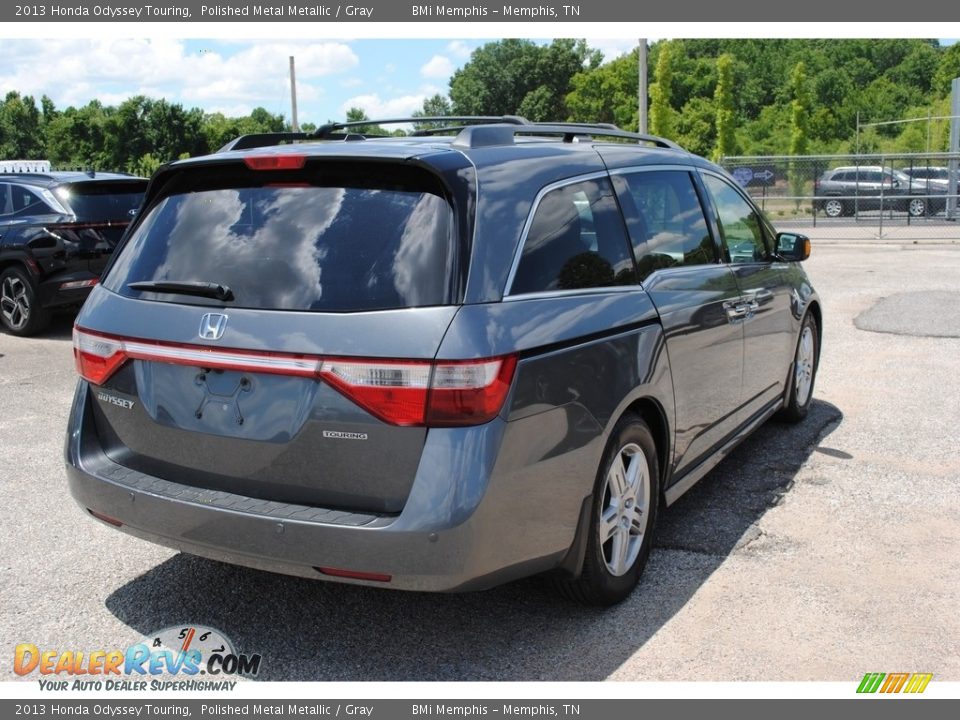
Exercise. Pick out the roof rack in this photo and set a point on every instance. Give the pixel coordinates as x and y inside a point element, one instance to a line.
<point>491,135</point>
<point>472,131</point>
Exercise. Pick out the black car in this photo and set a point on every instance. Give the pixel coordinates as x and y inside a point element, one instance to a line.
<point>438,362</point>
<point>57,231</point>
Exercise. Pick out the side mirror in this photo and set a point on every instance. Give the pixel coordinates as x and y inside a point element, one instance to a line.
<point>793,247</point>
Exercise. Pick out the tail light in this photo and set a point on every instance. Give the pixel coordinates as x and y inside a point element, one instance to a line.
<point>424,393</point>
<point>399,392</point>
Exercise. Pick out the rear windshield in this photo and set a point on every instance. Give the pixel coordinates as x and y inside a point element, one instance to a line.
<point>103,201</point>
<point>324,240</point>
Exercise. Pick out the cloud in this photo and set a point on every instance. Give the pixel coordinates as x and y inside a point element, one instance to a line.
<point>612,48</point>
<point>376,107</point>
<point>459,49</point>
<point>438,66</point>
<point>76,71</point>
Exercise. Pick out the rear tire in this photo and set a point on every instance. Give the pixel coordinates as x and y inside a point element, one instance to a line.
<point>834,208</point>
<point>20,310</point>
<point>803,372</point>
<point>623,514</point>
<point>917,207</point>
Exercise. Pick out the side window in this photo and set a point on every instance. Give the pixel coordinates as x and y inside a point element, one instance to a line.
<point>576,240</point>
<point>740,223</point>
<point>666,223</point>
<point>6,201</point>
<point>25,200</point>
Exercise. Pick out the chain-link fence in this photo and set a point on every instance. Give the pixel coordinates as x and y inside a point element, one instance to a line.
<point>910,195</point>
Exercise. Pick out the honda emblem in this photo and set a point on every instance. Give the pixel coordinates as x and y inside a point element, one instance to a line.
<point>212,326</point>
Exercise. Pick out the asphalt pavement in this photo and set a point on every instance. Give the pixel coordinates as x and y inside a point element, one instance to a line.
<point>814,552</point>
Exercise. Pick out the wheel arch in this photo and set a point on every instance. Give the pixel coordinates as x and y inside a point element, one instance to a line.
<point>648,409</point>
<point>814,309</point>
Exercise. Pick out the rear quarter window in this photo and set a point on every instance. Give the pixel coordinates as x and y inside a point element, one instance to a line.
<point>576,240</point>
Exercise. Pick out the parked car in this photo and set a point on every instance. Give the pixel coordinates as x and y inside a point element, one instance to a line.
<point>437,362</point>
<point>928,173</point>
<point>57,230</point>
<point>846,190</point>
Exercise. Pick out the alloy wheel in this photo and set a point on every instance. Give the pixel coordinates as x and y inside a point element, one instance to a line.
<point>626,501</point>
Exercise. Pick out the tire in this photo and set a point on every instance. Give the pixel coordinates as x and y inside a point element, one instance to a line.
<point>834,208</point>
<point>917,207</point>
<point>623,515</point>
<point>20,311</point>
<point>803,372</point>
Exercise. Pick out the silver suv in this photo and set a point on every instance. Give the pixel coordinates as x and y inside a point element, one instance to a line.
<point>437,362</point>
<point>852,189</point>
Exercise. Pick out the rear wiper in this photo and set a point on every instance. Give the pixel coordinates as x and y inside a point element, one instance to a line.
<point>186,287</point>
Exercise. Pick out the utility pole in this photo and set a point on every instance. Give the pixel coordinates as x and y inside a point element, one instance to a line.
<point>294,125</point>
<point>642,89</point>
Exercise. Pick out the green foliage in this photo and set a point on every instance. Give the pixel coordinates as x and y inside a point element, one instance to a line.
<point>723,98</point>
<point>800,108</point>
<point>145,166</point>
<point>947,69</point>
<point>607,93</point>
<point>661,110</point>
<point>356,114</point>
<point>696,126</point>
<point>512,76</point>
<point>19,118</point>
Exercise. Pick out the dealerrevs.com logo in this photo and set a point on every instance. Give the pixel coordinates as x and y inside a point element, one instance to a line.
<point>890,683</point>
<point>190,657</point>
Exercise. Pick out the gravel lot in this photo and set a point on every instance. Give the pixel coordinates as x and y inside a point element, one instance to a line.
<point>815,552</point>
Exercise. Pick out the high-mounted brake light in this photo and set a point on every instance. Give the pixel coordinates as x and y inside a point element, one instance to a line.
<point>400,392</point>
<point>275,162</point>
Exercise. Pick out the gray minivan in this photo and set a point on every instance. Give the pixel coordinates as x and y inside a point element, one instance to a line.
<point>436,362</point>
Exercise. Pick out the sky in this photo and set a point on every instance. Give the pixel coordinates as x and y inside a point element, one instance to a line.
<point>386,78</point>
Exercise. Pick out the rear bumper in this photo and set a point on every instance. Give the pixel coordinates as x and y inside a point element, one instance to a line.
<point>468,524</point>
<point>51,292</point>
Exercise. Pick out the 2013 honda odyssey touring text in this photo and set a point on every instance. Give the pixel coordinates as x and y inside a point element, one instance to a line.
<point>487,350</point>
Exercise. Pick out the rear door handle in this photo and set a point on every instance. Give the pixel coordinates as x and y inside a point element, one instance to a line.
<point>736,310</point>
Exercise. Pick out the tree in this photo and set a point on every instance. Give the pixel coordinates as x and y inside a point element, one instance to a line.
<point>661,112</point>
<point>607,93</point>
<point>356,114</point>
<point>501,75</point>
<point>947,69</point>
<point>20,135</point>
<point>800,108</point>
<point>436,106</point>
<point>723,99</point>
<point>696,126</point>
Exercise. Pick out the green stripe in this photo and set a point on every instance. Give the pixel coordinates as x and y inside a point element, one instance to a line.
<point>871,682</point>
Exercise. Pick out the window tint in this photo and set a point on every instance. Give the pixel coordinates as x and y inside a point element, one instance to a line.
<point>25,200</point>
<point>290,247</point>
<point>103,201</point>
<point>666,222</point>
<point>740,222</point>
<point>576,240</point>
